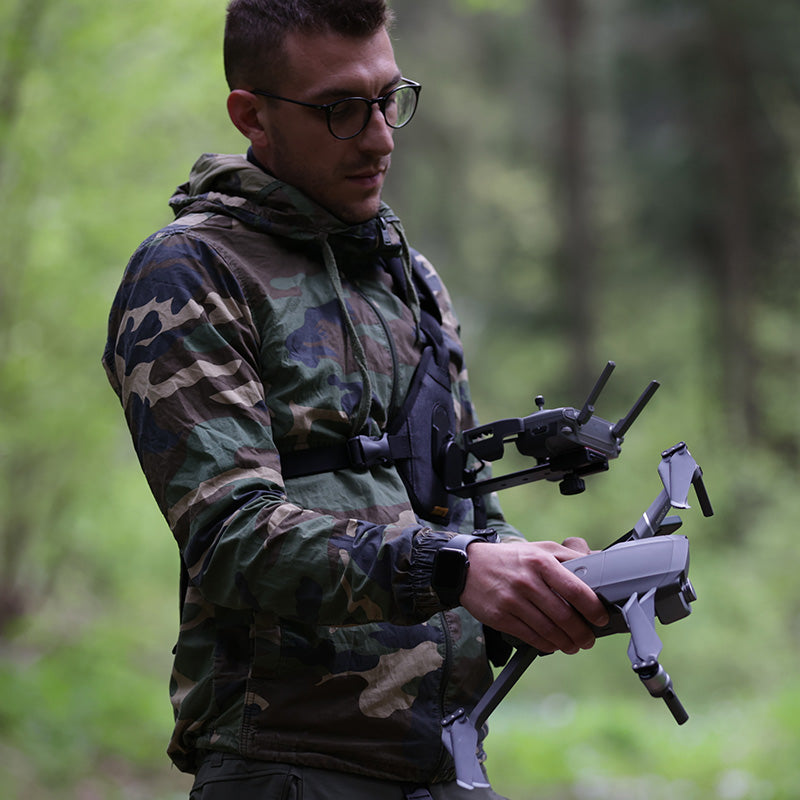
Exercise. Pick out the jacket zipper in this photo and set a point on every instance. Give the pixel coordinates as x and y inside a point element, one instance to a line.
<point>446,667</point>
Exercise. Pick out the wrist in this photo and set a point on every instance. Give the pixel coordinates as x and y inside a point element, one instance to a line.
<point>451,565</point>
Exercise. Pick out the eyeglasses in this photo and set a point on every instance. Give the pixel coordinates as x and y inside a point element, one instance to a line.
<point>348,117</point>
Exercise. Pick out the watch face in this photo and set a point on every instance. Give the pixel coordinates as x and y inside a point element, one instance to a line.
<point>449,574</point>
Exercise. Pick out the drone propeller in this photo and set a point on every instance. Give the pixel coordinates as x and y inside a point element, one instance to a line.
<point>677,469</point>
<point>679,472</point>
<point>460,737</point>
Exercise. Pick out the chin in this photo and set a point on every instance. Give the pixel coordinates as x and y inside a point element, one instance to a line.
<point>355,215</point>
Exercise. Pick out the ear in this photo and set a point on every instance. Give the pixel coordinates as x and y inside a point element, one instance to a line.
<point>243,108</point>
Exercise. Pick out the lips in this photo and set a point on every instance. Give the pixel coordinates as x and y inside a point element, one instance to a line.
<point>367,180</point>
<point>369,176</point>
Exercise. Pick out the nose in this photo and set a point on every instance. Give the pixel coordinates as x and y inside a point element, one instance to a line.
<point>377,137</point>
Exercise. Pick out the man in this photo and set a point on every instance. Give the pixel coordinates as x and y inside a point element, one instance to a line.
<point>262,345</point>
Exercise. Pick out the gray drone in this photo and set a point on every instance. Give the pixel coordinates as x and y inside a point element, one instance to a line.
<point>641,576</point>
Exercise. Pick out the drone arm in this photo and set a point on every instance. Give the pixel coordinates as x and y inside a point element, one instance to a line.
<point>512,672</point>
<point>649,523</point>
<point>460,731</point>
<point>640,617</point>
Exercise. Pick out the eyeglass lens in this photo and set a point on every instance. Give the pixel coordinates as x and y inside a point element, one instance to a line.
<point>348,118</point>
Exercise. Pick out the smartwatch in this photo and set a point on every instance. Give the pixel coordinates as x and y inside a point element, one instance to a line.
<point>450,565</point>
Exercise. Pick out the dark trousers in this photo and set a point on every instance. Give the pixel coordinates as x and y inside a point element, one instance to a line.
<point>228,777</point>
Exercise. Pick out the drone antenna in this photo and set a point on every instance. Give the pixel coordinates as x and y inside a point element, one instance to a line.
<point>621,428</point>
<point>588,406</point>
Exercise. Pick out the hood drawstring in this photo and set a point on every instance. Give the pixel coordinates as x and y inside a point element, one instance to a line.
<point>364,404</point>
<point>411,299</point>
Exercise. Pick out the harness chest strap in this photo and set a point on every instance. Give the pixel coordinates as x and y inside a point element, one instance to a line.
<point>359,453</point>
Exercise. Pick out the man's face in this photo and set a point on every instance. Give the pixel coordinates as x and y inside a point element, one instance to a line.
<point>345,177</point>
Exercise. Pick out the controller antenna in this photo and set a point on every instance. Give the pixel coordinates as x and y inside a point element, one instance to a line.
<point>588,407</point>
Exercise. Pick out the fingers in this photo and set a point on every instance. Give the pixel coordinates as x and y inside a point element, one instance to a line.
<point>575,543</point>
<point>556,608</point>
<point>579,597</point>
<point>560,629</point>
<point>522,590</point>
<point>547,628</point>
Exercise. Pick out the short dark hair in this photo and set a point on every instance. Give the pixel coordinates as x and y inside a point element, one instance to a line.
<point>255,31</point>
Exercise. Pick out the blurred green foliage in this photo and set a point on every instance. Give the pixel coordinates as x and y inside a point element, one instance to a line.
<point>680,184</point>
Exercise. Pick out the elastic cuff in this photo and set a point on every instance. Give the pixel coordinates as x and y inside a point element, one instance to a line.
<point>427,544</point>
<point>423,552</point>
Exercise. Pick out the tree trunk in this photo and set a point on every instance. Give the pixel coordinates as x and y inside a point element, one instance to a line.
<point>735,262</point>
<point>575,257</point>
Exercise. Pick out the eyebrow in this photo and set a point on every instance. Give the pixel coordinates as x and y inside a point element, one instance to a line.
<point>342,93</point>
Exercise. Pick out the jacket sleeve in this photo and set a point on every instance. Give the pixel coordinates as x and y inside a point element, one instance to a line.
<point>183,357</point>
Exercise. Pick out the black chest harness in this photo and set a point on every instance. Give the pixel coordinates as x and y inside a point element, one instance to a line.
<point>415,437</point>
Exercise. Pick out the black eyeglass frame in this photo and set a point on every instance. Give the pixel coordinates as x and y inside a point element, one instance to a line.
<point>329,108</point>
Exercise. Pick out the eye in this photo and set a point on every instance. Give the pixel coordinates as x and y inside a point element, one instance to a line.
<point>346,109</point>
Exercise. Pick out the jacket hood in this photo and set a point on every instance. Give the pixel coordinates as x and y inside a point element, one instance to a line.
<point>233,186</point>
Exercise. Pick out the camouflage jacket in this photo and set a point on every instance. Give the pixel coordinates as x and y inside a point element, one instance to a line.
<point>254,325</point>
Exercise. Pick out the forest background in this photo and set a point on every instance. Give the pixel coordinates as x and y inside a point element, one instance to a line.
<point>594,180</point>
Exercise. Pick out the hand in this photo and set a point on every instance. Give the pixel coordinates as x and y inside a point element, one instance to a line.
<point>520,588</point>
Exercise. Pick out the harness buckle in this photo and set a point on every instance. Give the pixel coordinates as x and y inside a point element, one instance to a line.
<point>366,451</point>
